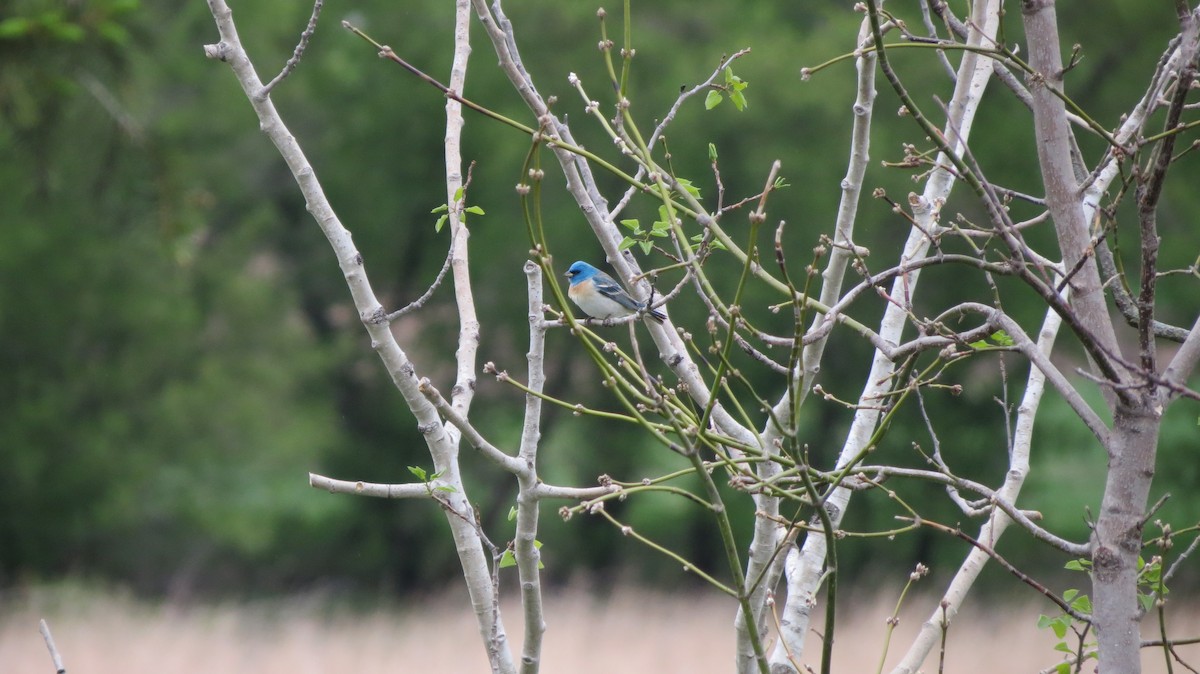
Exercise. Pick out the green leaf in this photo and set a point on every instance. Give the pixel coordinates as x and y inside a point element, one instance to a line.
<point>512,513</point>
<point>1083,604</point>
<point>66,31</point>
<point>16,26</point>
<point>475,210</point>
<point>646,247</point>
<point>1059,624</point>
<point>509,559</point>
<point>419,472</point>
<point>445,488</point>
<point>660,226</point>
<point>712,158</point>
<point>716,245</point>
<point>688,187</point>
<point>1063,668</point>
<point>1068,595</point>
<point>1147,601</point>
<point>626,243</point>
<point>441,209</point>
<point>441,222</point>
<point>712,100</point>
<point>631,223</point>
<point>113,32</point>
<point>1002,338</point>
<point>738,99</point>
<point>981,344</point>
<point>1076,565</point>
<point>1062,646</point>
<point>458,193</point>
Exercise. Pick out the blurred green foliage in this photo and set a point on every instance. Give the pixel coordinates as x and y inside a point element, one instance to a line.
<point>178,350</point>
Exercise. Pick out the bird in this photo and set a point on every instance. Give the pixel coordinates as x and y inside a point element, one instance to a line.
<point>602,297</point>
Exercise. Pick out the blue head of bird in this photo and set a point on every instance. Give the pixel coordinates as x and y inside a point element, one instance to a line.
<point>580,271</point>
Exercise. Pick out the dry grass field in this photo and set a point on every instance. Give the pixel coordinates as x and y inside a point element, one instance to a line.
<point>625,631</point>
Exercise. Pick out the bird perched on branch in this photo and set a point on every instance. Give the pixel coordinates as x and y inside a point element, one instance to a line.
<point>602,297</point>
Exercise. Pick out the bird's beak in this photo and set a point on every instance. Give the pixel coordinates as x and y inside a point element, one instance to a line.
<point>567,274</point>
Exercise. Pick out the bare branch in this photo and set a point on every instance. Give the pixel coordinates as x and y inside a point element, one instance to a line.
<point>55,657</point>
<point>298,51</point>
<point>375,489</point>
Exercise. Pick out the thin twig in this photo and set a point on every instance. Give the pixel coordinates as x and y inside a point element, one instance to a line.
<point>297,52</point>
<point>54,654</point>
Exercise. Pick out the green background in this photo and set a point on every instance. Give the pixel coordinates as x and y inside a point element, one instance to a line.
<point>178,349</point>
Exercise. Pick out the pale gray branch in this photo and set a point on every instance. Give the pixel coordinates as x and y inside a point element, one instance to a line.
<point>375,489</point>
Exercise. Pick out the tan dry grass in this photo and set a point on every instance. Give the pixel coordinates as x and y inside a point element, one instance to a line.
<point>626,631</point>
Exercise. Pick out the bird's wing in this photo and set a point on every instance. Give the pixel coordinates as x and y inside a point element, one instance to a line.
<point>608,287</point>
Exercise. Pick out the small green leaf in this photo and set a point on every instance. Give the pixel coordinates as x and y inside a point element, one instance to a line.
<point>716,245</point>
<point>475,210</point>
<point>1062,668</point>
<point>1068,595</point>
<point>981,344</point>
<point>1059,624</point>
<point>66,31</point>
<point>441,222</point>
<point>646,247</point>
<point>445,488</point>
<point>1082,604</point>
<point>660,226</point>
<point>626,243</point>
<point>113,32</point>
<point>712,100</point>
<point>419,472</point>
<point>441,209</point>
<point>1075,565</point>
<point>512,513</point>
<point>16,26</point>
<point>1147,601</point>
<point>1062,646</point>
<point>509,559</point>
<point>631,223</point>
<point>1002,338</point>
<point>458,193</point>
<point>712,153</point>
<point>688,187</point>
<point>738,99</point>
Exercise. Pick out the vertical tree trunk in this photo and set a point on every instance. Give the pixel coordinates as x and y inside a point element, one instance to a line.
<point>1117,539</point>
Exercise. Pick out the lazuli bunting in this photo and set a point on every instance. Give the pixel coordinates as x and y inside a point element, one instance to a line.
<point>602,297</point>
